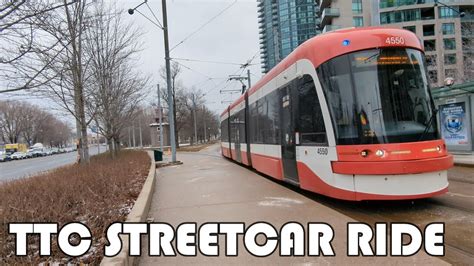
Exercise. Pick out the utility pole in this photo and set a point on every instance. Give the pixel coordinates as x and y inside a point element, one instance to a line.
<point>133,134</point>
<point>129,138</point>
<point>160,117</point>
<point>194,110</point>
<point>140,130</point>
<point>98,140</point>
<point>168,75</point>
<point>204,122</point>
<point>168,82</point>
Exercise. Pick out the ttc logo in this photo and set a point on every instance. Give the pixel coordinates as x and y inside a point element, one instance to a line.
<point>453,124</point>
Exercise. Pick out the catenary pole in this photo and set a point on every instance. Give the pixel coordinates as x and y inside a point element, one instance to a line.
<point>168,83</point>
<point>133,134</point>
<point>160,119</point>
<point>204,122</point>
<point>194,115</point>
<point>140,130</point>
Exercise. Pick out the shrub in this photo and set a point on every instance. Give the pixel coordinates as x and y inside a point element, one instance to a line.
<point>96,194</point>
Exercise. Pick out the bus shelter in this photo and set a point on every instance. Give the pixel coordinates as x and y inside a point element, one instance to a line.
<point>455,106</point>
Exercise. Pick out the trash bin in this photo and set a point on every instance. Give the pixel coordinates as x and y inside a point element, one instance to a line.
<point>158,155</point>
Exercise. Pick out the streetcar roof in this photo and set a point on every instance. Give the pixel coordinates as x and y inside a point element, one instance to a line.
<point>333,44</point>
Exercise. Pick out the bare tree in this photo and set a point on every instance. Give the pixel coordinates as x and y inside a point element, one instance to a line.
<point>118,90</point>
<point>21,38</point>
<point>23,122</point>
<point>63,68</point>
<point>12,120</point>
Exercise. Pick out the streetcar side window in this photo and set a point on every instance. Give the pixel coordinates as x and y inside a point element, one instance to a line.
<point>225,130</point>
<point>233,133</point>
<point>272,118</point>
<point>254,132</point>
<point>241,126</point>
<point>311,123</point>
<point>265,120</point>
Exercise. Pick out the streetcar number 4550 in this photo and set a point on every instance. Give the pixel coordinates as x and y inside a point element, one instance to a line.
<point>395,40</point>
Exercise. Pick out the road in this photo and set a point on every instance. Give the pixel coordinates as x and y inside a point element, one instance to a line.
<point>28,167</point>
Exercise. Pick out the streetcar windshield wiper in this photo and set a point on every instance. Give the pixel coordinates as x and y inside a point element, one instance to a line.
<point>372,57</point>
<point>428,125</point>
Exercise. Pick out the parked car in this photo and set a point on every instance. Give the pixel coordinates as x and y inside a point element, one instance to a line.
<point>37,153</point>
<point>29,154</point>
<point>18,155</point>
<point>4,157</point>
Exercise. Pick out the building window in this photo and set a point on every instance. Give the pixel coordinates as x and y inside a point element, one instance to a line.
<point>450,44</point>
<point>429,30</point>
<point>358,21</point>
<point>448,12</point>
<point>430,45</point>
<point>450,73</point>
<point>448,28</point>
<point>433,76</point>
<point>431,60</point>
<point>427,13</point>
<point>357,6</point>
<point>410,28</point>
<point>450,59</point>
<point>392,3</point>
<point>400,16</point>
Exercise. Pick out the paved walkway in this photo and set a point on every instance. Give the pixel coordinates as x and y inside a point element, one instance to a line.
<point>209,188</point>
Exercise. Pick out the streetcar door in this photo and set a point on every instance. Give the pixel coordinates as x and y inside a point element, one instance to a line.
<point>288,145</point>
<point>238,154</point>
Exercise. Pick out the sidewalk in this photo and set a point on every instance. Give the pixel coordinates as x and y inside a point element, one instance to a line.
<point>209,188</point>
<point>464,159</point>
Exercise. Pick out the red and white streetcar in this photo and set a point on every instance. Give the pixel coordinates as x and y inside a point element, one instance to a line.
<point>348,114</point>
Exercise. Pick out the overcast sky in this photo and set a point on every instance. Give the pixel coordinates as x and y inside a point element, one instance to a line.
<point>231,37</point>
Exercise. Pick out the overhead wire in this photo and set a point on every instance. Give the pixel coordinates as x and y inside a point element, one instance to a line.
<point>203,25</point>
<point>149,19</point>
<point>207,61</point>
<point>193,70</point>
<point>153,13</point>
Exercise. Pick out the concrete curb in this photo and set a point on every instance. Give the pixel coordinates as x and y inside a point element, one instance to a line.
<point>464,164</point>
<point>139,213</point>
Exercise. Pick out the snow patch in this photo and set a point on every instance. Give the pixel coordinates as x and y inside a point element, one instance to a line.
<point>279,202</point>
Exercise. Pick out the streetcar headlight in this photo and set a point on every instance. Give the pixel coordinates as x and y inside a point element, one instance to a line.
<point>380,153</point>
<point>439,149</point>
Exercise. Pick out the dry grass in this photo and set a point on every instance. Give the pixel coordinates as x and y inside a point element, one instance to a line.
<point>96,194</point>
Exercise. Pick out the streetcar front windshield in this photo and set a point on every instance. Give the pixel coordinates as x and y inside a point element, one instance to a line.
<point>379,96</point>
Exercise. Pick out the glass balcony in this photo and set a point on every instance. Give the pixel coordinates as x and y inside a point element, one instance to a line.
<point>328,14</point>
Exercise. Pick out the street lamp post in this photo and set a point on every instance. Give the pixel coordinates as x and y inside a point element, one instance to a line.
<point>168,77</point>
